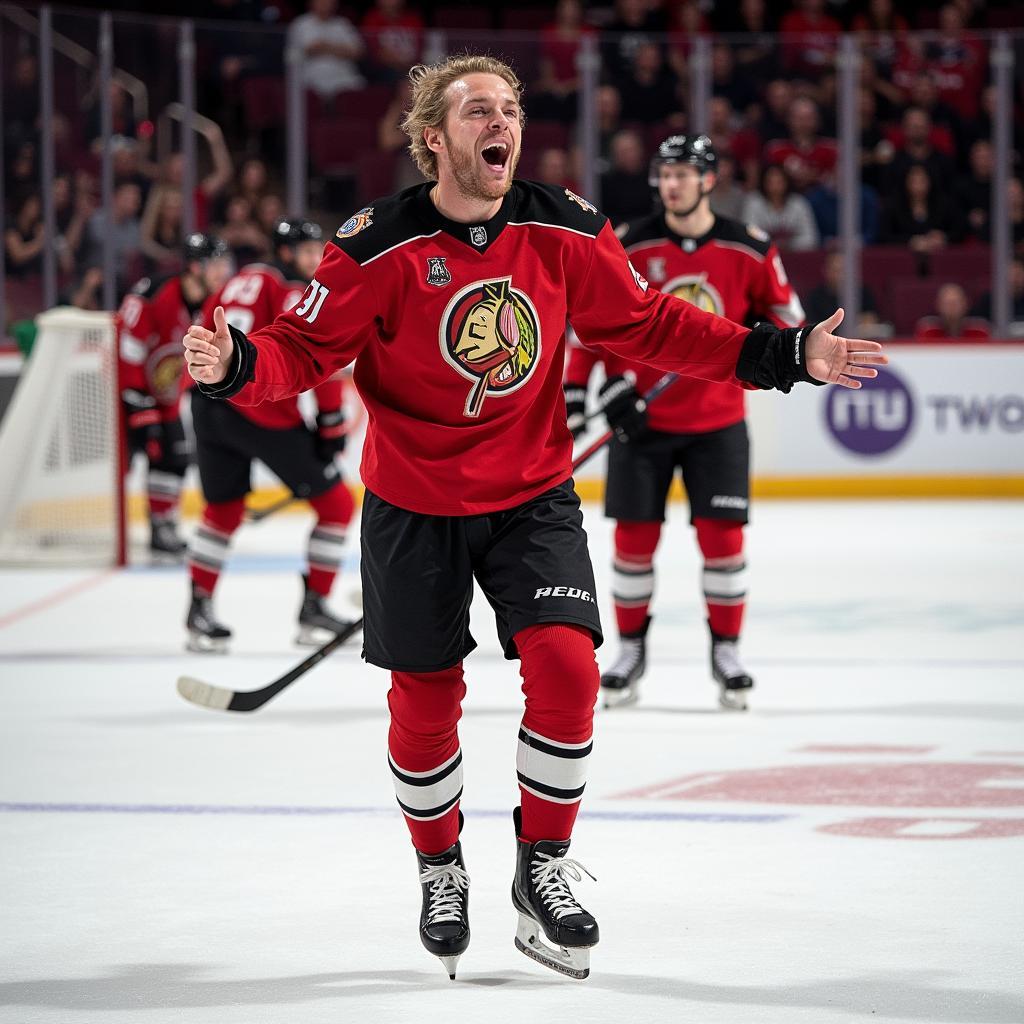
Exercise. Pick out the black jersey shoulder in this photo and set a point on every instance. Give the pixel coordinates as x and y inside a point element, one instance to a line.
<point>537,203</point>
<point>381,225</point>
<point>737,233</point>
<point>643,229</point>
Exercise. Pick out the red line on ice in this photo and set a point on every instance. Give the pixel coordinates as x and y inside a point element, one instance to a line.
<point>71,590</point>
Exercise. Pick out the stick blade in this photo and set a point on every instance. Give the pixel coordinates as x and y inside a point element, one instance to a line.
<point>197,692</point>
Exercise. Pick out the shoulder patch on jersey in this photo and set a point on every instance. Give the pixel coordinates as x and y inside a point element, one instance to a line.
<point>357,222</point>
<point>738,233</point>
<point>380,226</point>
<point>537,203</point>
<point>590,207</point>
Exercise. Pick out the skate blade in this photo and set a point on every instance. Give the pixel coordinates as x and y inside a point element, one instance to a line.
<point>733,700</point>
<point>449,963</point>
<point>574,962</point>
<point>310,636</point>
<point>199,644</point>
<point>624,698</point>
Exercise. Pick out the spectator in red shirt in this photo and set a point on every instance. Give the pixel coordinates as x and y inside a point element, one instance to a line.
<point>394,39</point>
<point>958,63</point>
<point>806,156</point>
<point>950,319</point>
<point>556,89</point>
<point>812,47</point>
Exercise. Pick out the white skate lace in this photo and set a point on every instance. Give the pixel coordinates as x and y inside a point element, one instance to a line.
<point>629,658</point>
<point>447,883</point>
<point>727,659</point>
<point>550,879</point>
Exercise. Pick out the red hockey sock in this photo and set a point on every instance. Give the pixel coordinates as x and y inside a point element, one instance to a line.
<point>560,680</point>
<point>209,548</point>
<point>424,754</point>
<point>164,493</point>
<point>725,574</point>
<point>633,573</point>
<point>326,546</point>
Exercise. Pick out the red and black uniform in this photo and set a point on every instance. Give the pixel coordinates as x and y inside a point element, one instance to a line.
<point>150,323</point>
<point>229,436</point>
<point>458,332</point>
<point>698,426</point>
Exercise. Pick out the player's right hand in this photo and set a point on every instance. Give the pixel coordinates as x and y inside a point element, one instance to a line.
<point>624,408</point>
<point>208,353</point>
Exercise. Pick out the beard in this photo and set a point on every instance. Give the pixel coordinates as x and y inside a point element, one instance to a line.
<point>469,178</point>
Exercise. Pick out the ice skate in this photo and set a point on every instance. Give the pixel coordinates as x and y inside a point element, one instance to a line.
<point>733,679</point>
<point>316,621</point>
<point>620,684</point>
<point>444,918</point>
<point>547,908</point>
<point>205,634</point>
<point>165,543</point>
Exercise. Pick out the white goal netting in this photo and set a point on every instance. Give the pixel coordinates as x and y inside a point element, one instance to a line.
<point>60,477</point>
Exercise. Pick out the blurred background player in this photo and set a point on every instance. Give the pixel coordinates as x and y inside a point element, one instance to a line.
<point>229,437</point>
<point>724,267</point>
<point>150,323</point>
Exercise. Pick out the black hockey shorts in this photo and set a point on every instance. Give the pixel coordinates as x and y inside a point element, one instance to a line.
<point>715,467</point>
<point>531,562</point>
<point>227,442</point>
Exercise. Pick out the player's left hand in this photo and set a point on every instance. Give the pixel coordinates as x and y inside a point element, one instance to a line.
<point>330,434</point>
<point>837,360</point>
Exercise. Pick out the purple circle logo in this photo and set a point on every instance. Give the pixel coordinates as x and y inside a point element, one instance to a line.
<point>873,419</point>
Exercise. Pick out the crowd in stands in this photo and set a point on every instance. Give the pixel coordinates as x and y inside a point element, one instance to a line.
<point>925,105</point>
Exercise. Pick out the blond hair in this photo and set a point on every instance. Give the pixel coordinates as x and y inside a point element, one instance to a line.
<point>429,103</point>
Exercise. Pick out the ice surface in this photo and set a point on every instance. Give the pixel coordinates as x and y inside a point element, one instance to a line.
<point>852,849</point>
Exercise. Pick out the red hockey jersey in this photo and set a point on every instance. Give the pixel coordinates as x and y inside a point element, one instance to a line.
<point>733,271</point>
<point>252,299</point>
<point>150,323</point>
<point>458,331</point>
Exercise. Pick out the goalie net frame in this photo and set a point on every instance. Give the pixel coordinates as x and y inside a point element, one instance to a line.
<point>62,448</point>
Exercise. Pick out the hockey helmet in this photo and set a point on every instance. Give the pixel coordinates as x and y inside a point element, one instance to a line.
<point>294,232</point>
<point>697,150</point>
<point>200,246</point>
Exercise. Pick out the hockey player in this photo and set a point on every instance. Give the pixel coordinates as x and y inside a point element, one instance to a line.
<point>230,436</point>
<point>150,323</point>
<point>733,270</point>
<point>452,297</point>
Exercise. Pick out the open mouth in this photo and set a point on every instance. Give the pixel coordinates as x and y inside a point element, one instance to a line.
<point>496,155</point>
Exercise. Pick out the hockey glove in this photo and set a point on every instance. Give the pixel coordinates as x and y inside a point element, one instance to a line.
<point>625,410</point>
<point>330,434</point>
<point>142,420</point>
<point>575,409</point>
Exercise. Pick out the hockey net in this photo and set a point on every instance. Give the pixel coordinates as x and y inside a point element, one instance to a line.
<point>62,499</point>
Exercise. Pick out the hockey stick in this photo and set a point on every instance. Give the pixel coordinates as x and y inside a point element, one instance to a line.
<point>220,698</point>
<point>259,515</point>
<point>661,385</point>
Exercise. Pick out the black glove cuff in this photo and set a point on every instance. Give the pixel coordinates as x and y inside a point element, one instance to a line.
<point>330,419</point>
<point>241,370</point>
<point>575,393</point>
<point>775,358</point>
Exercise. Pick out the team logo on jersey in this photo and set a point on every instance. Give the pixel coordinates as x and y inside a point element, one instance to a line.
<point>694,288</point>
<point>478,234</point>
<point>490,333</point>
<point>580,201</point>
<point>656,269</point>
<point>356,223</point>
<point>163,372</point>
<point>437,272</point>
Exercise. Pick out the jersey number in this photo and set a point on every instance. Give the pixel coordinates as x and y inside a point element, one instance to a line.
<point>309,310</point>
<point>244,290</point>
